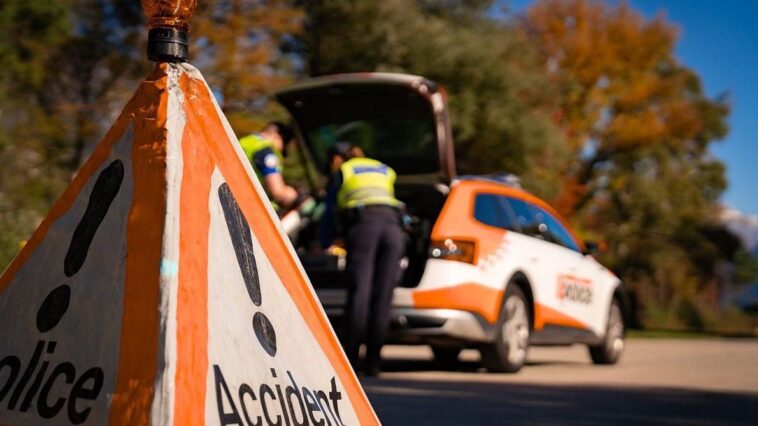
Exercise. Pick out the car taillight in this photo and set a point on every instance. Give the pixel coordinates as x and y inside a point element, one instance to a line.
<point>453,249</point>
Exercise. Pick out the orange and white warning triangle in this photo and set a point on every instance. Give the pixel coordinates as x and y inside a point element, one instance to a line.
<point>161,289</point>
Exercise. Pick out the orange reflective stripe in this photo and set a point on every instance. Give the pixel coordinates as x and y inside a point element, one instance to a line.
<point>192,295</point>
<point>137,365</point>
<point>545,315</point>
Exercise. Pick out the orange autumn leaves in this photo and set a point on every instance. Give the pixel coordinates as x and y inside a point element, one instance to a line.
<point>621,86</point>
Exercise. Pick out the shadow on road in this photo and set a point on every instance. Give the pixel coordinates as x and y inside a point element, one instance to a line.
<point>456,402</point>
<point>411,365</point>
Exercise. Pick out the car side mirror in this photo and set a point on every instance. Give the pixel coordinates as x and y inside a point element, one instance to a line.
<point>595,248</point>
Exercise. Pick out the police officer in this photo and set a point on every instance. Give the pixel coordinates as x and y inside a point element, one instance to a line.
<point>374,238</point>
<point>265,151</point>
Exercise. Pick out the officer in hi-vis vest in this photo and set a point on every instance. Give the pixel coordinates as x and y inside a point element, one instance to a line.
<point>265,151</point>
<point>364,192</point>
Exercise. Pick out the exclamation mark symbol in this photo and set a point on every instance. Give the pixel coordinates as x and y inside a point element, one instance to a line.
<point>239,230</point>
<point>103,193</point>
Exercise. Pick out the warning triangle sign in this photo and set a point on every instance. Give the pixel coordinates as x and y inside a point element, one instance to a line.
<point>161,288</point>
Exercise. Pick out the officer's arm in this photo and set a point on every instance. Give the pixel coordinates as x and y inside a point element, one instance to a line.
<point>268,165</point>
<point>282,193</point>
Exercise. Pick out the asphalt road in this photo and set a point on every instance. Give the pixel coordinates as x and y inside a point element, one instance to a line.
<point>657,382</point>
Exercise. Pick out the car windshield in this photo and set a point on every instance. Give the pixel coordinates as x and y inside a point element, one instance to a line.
<point>408,145</point>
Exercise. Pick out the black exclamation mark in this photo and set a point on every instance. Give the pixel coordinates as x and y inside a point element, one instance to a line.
<point>239,230</point>
<point>103,193</point>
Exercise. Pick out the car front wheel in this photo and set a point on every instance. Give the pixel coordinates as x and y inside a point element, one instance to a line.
<point>609,351</point>
<point>507,353</point>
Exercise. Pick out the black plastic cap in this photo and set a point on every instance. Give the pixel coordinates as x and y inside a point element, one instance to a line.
<point>167,45</point>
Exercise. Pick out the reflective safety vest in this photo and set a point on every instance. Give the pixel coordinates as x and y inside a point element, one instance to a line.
<point>254,143</point>
<point>366,182</point>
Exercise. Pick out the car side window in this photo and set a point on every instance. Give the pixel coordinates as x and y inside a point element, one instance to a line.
<point>489,210</point>
<point>555,231</point>
<point>528,223</point>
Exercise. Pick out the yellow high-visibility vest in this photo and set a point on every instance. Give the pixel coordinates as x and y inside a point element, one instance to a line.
<point>366,182</point>
<point>254,143</point>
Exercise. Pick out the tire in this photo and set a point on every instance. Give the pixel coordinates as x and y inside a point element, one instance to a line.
<point>609,351</point>
<point>446,357</point>
<point>507,353</point>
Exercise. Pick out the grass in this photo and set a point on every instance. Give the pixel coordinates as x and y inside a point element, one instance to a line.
<point>677,334</point>
<point>668,334</point>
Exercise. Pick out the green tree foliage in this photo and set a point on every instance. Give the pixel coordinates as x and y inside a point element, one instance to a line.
<point>638,127</point>
<point>68,67</point>
<point>30,30</point>
<point>746,267</point>
<point>499,102</point>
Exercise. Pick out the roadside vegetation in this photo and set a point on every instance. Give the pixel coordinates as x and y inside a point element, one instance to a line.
<point>585,100</point>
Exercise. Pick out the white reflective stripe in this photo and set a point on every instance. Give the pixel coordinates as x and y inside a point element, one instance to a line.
<point>368,196</point>
<point>367,191</point>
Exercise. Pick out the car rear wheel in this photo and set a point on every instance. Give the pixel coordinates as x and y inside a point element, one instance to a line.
<point>609,351</point>
<point>507,353</point>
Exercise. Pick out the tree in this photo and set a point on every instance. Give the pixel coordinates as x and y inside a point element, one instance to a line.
<point>638,127</point>
<point>238,45</point>
<point>30,30</point>
<point>621,89</point>
<point>490,71</point>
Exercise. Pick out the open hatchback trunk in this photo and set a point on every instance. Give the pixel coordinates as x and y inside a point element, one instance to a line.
<point>398,119</point>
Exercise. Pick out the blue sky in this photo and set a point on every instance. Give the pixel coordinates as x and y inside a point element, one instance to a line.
<point>719,40</point>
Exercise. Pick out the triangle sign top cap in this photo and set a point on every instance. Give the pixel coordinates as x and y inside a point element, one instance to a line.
<point>161,289</point>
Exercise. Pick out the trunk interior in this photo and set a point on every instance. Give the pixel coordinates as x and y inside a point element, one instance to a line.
<point>398,119</point>
<point>423,205</point>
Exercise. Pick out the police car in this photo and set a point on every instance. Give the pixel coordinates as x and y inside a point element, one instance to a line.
<point>488,265</point>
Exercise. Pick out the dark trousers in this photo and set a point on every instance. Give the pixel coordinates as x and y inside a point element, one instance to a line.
<point>375,245</point>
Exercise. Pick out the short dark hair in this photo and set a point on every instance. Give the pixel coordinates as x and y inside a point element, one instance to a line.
<point>341,149</point>
<point>284,130</point>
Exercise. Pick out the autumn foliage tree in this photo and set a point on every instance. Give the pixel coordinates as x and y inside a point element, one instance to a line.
<point>638,127</point>
<point>238,46</point>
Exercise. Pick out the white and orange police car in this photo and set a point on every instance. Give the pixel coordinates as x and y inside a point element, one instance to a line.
<point>488,265</point>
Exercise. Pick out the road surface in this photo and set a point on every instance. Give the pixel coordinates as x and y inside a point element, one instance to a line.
<point>657,382</point>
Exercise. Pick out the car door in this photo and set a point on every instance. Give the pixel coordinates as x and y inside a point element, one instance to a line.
<point>562,287</point>
<point>581,292</point>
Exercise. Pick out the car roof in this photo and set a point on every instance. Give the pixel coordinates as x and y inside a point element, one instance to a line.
<point>485,183</point>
